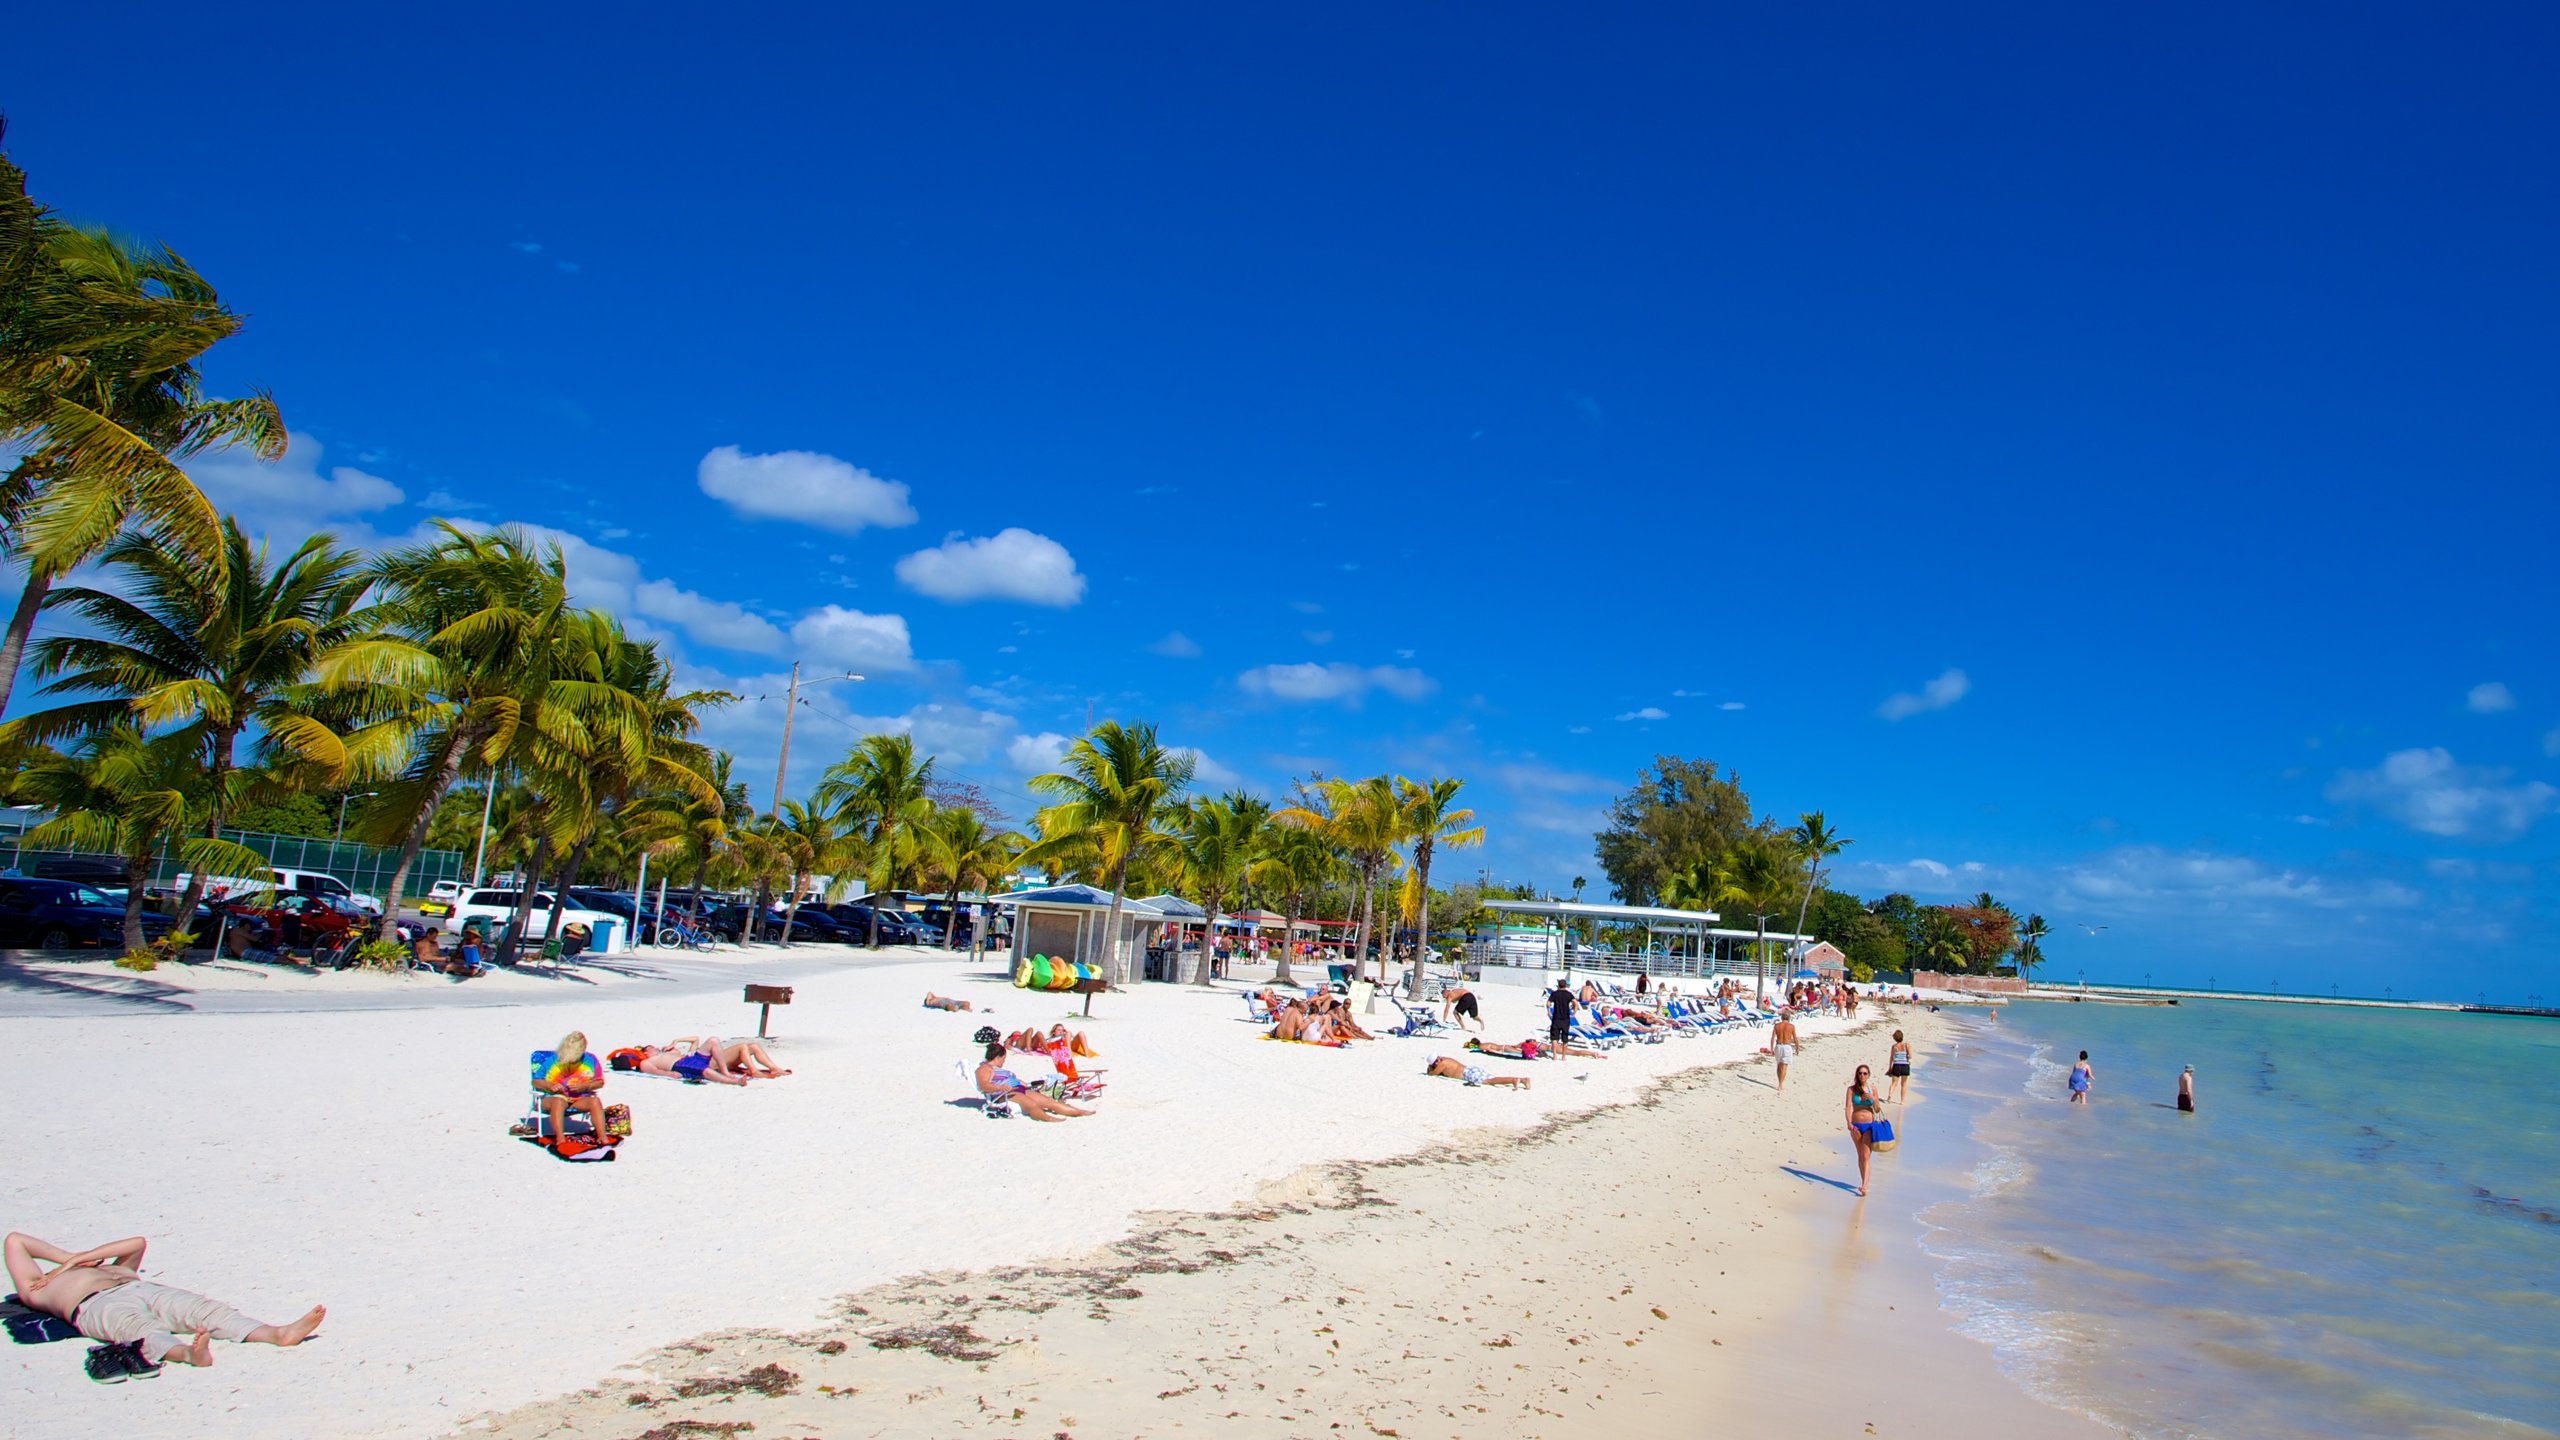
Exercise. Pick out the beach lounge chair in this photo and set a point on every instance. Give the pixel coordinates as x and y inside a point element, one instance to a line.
<point>1418,1020</point>
<point>1256,1011</point>
<point>994,1107</point>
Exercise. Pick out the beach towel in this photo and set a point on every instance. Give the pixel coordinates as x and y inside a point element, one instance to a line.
<point>576,1147</point>
<point>30,1326</point>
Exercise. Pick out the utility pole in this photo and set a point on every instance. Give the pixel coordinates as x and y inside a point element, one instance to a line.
<point>783,767</point>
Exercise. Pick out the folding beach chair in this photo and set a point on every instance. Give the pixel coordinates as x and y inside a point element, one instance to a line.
<point>994,1107</point>
<point>1417,1021</point>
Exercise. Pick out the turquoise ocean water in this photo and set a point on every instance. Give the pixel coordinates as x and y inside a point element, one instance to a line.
<point>2357,1235</point>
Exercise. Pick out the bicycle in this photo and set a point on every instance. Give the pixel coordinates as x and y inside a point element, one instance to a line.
<point>675,934</point>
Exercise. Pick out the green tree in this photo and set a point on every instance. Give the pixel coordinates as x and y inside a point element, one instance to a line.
<point>1432,820</point>
<point>886,793</point>
<point>963,851</point>
<point>1364,823</point>
<point>124,794</point>
<point>210,652</point>
<point>108,413</point>
<point>1296,864</point>
<point>1678,818</point>
<point>1814,841</point>
<point>2031,938</point>
<point>1108,793</point>
<point>1758,876</point>
<point>1216,842</point>
<point>461,670</point>
<point>818,844</point>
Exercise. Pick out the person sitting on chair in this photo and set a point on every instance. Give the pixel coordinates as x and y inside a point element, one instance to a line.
<point>997,1083</point>
<point>571,1077</point>
<point>462,965</point>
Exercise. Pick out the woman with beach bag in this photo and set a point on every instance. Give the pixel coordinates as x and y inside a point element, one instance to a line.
<point>1869,1131</point>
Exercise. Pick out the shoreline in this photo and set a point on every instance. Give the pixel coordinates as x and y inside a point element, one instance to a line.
<point>1589,1276</point>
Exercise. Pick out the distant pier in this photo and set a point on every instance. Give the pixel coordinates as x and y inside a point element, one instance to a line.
<point>2168,995</point>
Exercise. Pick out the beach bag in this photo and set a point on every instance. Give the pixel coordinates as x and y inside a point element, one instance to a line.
<point>1880,1136</point>
<point>617,1122</point>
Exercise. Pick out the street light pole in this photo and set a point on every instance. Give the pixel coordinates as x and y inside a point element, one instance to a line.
<point>791,702</point>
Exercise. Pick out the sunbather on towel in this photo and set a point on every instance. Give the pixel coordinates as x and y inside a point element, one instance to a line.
<point>1533,1049</point>
<point>996,1082</point>
<point>101,1293</point>
<point>741,1057</point>
<point>943,1002</point>
<point>679,1059</point>
<point>1450,1068</point>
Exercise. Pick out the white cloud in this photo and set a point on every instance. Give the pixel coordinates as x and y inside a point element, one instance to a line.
<point>1650,712</point>
<point>1012,564</point>
<point>720,623</point>
<point>292,496</point>
<point>1205,772</point>
<point>1349,684</point>
<point>1577,730</point>
<point>2490,697</point>
<point>1177,645</point>
<point>802,485</point>
<point>1036,754</point>
<point>834,635</point>
<point>1938,694</point>
<point>2431,794</point>
<point>1732,705</point>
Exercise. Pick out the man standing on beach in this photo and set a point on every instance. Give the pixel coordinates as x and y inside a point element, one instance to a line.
<point>2081,1078</point>
<point>2187,1090</point>
<point>1560,1010</point>
<point>1782,1045</point>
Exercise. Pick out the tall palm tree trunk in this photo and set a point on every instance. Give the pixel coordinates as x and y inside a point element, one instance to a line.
<point>220,772</point>
<point>447,771</point>
<point>1112,968</point>
<point>512,948</point>
<point>1368,907</point>
<point>22,623</point>
<point>1208,945</point>
<point>137,874</point>
<point>1288,942</point>
<point>1422,925</point>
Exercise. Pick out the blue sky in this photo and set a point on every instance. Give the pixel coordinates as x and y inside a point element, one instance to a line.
<point>2160,403</point>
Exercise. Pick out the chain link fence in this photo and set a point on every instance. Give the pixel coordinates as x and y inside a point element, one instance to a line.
<point>366,868</point>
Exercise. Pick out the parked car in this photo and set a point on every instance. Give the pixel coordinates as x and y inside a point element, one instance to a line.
<point>66,915</point>
<point>811,923</point>
<point>101,872</point>
<point>496,910</point>
<point>295,882</point>
<point>313,920</point>
<point>897,927</point>
<point>639,922</point>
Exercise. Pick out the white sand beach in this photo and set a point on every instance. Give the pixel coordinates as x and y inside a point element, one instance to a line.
<point>360,1158</point>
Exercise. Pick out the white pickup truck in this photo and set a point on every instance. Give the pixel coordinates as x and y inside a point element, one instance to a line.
<point>496,910</point>
<point>218,888</point>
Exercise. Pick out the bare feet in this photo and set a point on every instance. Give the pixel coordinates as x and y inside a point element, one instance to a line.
<point>293,1334</point>
<point>198,1351</point>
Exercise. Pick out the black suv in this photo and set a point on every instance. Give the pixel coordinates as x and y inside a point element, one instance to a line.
<point>63,915</point>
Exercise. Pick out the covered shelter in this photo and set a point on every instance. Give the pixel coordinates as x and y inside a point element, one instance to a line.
<point>1073,921</point>
<point>1676,942</point>
<point>1826,960</point>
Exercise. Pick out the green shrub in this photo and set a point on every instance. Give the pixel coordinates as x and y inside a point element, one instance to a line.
<point>143,960</point>
<point>383,955</point>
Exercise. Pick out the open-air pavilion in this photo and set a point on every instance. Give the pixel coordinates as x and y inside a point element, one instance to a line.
<point>1677,942</point>
<point>1073,922</point>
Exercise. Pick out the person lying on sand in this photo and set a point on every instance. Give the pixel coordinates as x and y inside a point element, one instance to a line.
<point>1533,1050</point>
<point>101,1293</point>
<point>682,1059</point>
<point>1450,1068</point>
<point>997,1083</point>
<point>943,1002</point>
<point>745,1059</point>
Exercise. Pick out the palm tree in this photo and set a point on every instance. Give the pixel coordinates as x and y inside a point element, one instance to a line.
<point>110,410</point>
<point>1216,842</point>
<point>211,652</point>
<point>2031,937</point>
<point>962,853</point>
<point>818,844</point>
<point>650,751</point>
<point>1109,790</point>
<point>461,670</point>
<point>1295,864</point>
<point>124,794</point>
<point>1757,875</point>
<point>1814,841</point>
<point>1431,820</point>
<point>885,791</point>
<point>1362,820</point>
